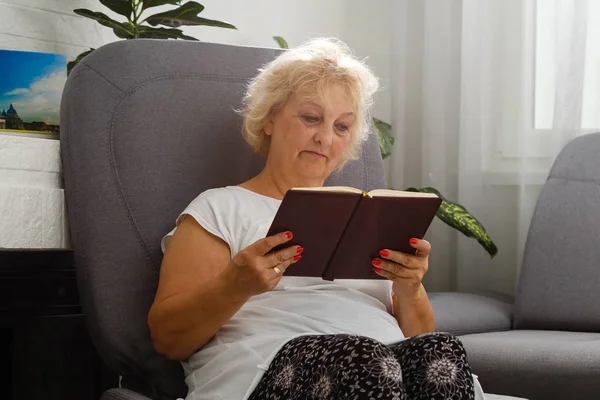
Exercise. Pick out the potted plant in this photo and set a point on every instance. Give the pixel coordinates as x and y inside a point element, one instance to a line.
<point>158,26</point>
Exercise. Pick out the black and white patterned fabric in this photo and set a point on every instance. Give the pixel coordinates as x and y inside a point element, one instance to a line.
<point>429,366</point>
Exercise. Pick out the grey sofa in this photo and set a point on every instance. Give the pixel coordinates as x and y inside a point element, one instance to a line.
<point>546,345</point>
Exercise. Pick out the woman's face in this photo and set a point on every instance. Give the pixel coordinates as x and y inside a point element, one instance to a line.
<point>309,135</point>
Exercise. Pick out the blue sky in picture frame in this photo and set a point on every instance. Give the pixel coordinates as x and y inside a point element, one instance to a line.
<point>33,83</point>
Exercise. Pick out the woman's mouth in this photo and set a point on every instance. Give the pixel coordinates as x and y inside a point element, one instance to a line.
<point>315,154</point>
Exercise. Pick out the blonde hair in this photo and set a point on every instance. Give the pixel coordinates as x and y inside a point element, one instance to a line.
<point>313,66</point>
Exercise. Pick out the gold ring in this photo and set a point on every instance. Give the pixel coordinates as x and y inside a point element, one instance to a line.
<point>277,271</point>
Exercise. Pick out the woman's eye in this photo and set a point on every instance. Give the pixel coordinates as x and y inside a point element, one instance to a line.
<point>310,118</point>
<point>343,127</point>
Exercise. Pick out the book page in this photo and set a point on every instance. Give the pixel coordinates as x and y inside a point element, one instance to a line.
<point>343,189</point>
<point>398,193</point>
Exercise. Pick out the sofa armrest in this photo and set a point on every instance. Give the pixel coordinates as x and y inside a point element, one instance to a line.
<point>122,394</point>
<point>465,313</point>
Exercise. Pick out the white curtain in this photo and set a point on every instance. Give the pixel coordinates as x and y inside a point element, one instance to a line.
<point>485,93</point>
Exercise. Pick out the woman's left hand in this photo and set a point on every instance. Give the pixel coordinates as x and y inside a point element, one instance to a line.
<point>406,271</point>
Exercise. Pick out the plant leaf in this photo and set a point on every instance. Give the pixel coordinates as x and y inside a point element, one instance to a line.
<point>124,31</point>
<point>155,3</point>
<point>185,15</point>
<point>281,42</point>
<point>459,218</point>
<point>384,136</point>
<point>72,64</point>
<point>121,29</point>
<point>162,33</point>
<point>122,7</point>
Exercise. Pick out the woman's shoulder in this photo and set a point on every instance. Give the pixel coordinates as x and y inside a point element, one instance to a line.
<point>218,193</point>
<point>232,199</point>
<point>215,198</point>
<point>234,193</point>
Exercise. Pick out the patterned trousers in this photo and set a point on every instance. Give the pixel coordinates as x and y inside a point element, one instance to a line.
<point>429,366</point>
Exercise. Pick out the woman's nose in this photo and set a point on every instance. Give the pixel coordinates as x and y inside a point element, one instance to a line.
<point>324,135</point>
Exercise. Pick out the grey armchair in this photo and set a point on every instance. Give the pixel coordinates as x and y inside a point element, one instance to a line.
<point>546,346</point>
<point>146,126</point>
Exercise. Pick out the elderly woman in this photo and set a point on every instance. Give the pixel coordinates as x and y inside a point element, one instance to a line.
<point>244,330</point>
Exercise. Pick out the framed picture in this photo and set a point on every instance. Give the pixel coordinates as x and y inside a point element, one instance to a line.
<point>30,91</point>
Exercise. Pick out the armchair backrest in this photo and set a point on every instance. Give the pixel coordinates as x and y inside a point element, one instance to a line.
<point>559,287</point>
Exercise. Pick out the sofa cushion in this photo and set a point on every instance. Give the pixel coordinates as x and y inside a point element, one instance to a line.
<point>536,364</point>
<point>464,313</point>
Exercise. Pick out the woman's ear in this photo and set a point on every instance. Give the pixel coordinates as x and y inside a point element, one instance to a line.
<point>268,127</point>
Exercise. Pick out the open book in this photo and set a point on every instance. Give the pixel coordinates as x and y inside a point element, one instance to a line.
<point>342,228</point>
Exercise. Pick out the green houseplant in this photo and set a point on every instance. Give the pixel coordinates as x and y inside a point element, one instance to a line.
<point>450,213</point>
<point>158,26</point>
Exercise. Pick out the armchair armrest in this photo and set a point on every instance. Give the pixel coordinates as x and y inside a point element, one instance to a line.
<point>122,394</point>
<point>466,313</point>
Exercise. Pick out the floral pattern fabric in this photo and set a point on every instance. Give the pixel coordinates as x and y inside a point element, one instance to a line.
<point>322,367</point>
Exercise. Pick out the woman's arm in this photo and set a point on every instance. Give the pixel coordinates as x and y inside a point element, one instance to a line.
<point>414,313</point>
<point>194,298</point>
<point>201,287</point>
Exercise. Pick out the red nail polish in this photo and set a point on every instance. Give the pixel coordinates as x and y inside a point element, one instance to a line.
<point>299,250</point>
<point>289,235</point>
<point>296,258</point>
<point>384,253</point>
<point>376,262</point>
<point>377,270</point>
<point>413,241</point>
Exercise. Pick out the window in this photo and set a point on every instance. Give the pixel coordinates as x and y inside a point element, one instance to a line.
<point>567,64</point>
<point>558,69</point>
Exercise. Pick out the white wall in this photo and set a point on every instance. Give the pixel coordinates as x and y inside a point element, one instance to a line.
<point>50,26</point>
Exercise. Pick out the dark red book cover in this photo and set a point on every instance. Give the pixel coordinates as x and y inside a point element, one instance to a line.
<point>341,232</point>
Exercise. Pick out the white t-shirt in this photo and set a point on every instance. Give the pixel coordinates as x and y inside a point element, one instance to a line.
<point>232,363</point>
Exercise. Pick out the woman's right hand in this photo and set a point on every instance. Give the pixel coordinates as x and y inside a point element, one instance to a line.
<point>252,271</point>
